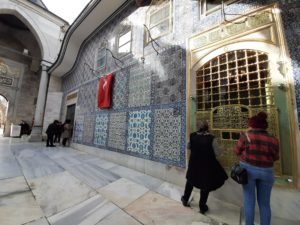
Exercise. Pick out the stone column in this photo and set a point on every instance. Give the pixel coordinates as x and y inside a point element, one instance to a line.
<point>36,133</point>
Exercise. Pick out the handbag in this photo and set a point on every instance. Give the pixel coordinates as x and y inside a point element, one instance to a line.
<point>239,174</point>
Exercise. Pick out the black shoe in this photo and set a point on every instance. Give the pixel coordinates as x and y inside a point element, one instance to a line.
<point>47,145</point>
<point>52,146</point>
<point>203,209</point>
<point>185,202</point>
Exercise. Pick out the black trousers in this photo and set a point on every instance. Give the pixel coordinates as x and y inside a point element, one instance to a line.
<point>57,138</point>
<point>64,142</point>
<point>203,194</point>
<point>50,139</point>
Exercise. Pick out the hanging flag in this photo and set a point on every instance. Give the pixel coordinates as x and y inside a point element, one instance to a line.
<point>104,91</point>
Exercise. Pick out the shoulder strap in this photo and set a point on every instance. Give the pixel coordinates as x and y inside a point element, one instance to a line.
<point>247,136</point>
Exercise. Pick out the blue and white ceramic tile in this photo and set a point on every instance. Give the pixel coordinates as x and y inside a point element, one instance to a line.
<point>159,84</point>
<point>139,87</point>
<point>169,77</point>
<point>139,132</point>
<point>78,129</point>
<point>101,129</point>
<point>120,90</point>
<point>117,131</point>
<point>87,97</point>
<point>167,134</point>
<point>88,129</point>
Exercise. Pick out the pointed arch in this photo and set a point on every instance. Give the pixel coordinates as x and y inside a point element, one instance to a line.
<point>32,26</point>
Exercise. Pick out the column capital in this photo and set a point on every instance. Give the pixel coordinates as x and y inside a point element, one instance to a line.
<point>45,64</point>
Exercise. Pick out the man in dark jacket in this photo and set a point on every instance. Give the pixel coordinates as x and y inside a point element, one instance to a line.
<point>50,133</point>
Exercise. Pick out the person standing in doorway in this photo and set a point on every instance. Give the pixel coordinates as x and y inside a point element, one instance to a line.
<point>258,150</point>
<point>204,170</point>
<point>50,133</point>
<point>67,133</point>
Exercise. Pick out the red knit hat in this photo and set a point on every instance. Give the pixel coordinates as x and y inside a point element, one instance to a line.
<point>258,121</point>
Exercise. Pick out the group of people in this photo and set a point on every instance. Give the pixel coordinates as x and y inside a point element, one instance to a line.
<point>257,151</point>
<point>25,128</point>
<point>56,130</point>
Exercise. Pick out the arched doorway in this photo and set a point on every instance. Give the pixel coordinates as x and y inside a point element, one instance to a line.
<point>19,69</point>
<point>3,113</point>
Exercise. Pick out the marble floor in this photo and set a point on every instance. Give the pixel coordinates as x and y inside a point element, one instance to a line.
<point>62,186</point>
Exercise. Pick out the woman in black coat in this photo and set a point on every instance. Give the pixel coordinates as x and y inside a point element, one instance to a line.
<point>204,170</point>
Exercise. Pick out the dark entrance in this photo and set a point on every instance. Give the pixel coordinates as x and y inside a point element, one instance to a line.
<point>71,113</point>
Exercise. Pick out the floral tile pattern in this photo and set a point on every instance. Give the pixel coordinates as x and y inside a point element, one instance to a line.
<point>101,125</point>
<point>88,129</point>
<point>139,132</point>
<point>168,83</point>
<point>117,131</point>
<point>78,129</point>
<point>139,87</point>
<point>120,93</point>
<point>87,97</point>
<point>167,134</point>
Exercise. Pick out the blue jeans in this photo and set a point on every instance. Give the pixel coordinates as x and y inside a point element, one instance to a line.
<point>262,179</point>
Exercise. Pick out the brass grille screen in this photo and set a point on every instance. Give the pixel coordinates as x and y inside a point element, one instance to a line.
<point>231,88</point>
<point>237,77</point>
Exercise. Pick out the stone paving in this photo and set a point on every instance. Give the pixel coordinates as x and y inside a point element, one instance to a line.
<point>62,186</point>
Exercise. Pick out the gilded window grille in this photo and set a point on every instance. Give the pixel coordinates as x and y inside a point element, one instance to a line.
<point>237,77</point>
<point>231,88</point>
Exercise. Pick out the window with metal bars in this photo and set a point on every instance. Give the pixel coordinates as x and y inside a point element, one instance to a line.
<point>160,18</point>
<point>237,77</point>
<point>209,6</point>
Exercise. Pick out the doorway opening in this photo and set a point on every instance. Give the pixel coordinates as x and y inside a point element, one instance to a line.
<point>71,113</point>
<point>3,114</point>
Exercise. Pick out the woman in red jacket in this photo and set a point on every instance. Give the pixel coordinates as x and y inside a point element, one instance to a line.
<point>257,151</point>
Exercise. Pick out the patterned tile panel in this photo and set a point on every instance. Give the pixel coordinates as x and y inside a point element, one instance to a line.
<point>167,134</point>
<point>139,132</point>
<point>101,128</point>
<point>120,90</point>
<point>88,129</point>
<point>139,87</point>
<point>291,20</point>
<point>87,97</point>
<point>159,84</point>
<point>78,129</point>
<point>169,77</point>
<point>117,131</point>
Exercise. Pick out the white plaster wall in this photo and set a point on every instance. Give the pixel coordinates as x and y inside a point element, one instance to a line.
<point>45,26</point>
<point>54,84</point>
<point>53,107</point>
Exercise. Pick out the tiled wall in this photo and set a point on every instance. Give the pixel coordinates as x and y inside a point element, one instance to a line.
<point>291,20</point>
<point>148,114</point>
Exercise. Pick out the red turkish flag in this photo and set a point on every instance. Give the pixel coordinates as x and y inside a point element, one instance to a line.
<point>104,91</point>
